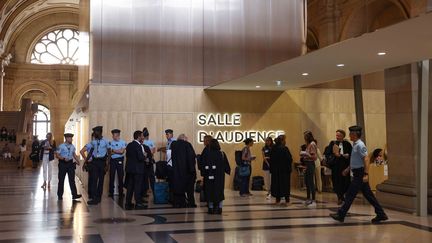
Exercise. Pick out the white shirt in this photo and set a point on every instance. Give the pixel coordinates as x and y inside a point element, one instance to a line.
<point>23,148</point>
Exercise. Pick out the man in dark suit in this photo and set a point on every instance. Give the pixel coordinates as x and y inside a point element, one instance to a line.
<point>137,154</point>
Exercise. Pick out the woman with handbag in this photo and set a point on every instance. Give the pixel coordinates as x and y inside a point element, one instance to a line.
<point>246,168</point>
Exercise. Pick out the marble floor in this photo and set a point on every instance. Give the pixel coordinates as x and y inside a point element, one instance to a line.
<point>30,214</point>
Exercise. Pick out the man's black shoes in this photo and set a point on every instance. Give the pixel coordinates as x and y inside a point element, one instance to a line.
<point>380,218</point>
<point>337,217</point>
<point>78,196</point>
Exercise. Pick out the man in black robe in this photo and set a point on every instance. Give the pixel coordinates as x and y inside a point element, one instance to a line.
<point>183,172</point>
<point>214,166</point>
<point>280,169</point>
<point>338,154</point>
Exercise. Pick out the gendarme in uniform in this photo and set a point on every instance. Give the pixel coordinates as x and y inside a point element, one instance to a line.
<point>116,163</point>
<point>99,162</point>
<point>66,155</point>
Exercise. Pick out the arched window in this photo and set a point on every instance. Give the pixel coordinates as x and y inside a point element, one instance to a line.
<point>57,47</point>
<point>41,122</point>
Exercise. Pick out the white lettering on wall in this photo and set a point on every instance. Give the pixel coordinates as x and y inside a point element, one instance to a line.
<point>232,136</point>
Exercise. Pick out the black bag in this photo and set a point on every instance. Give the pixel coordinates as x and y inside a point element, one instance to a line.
<point>238,157</point>
<point>161,170</point>
<point>257,183</point>
<point>237,179</point>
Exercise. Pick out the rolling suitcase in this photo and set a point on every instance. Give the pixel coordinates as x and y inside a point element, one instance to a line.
<point>161,192</point>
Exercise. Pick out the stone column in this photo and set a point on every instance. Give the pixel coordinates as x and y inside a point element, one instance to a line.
<point>401,97</point>
<point>63,109</point>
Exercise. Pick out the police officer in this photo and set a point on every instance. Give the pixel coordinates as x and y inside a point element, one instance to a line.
<point>149,176</point>
<point>118,147</point>
<point>100,162</point>
<point>87,166</point>
<point>169,134</point>
<point>359,165</point>
<point>66,156</point>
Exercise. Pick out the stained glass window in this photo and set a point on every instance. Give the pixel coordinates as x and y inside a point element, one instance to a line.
<point>57,47</point>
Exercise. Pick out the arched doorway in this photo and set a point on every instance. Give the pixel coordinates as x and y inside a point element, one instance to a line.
<point>41,121</point>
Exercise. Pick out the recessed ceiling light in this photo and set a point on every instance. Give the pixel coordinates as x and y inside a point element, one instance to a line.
<point>257,86</point>
<point>305,74</point>
<point>340,65</point>
<point>278,82</point>
<point>381,53</point>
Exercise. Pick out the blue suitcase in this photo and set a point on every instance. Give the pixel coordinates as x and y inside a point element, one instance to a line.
<point>161,192</point>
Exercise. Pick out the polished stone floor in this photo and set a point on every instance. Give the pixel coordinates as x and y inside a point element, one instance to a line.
<point>30,214</point>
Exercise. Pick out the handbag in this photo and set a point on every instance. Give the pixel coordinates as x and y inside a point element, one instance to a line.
<point>244,170</point>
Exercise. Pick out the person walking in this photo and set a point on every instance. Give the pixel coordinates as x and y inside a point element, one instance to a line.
<point>338,154</point>
<point>48,147</point>
<point>309,156</point>
<point>266,150</point>
<point>281,168</point>
<point>359,165</point>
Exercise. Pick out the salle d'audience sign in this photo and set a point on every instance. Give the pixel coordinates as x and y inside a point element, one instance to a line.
<point>231,121</point>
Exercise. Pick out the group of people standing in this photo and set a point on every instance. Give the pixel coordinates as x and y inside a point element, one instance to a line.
<point>340,156</point>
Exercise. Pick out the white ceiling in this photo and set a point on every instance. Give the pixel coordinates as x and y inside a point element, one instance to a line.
<point>405,42</point>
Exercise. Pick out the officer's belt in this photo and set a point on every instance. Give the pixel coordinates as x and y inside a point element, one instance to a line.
<point>66,161</point>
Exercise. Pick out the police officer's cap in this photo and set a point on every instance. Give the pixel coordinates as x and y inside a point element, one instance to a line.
<point>68,135</point>
<point>170,131</point>
<point>115,131</point>
<point>97,129</point>
<point>355,129</point>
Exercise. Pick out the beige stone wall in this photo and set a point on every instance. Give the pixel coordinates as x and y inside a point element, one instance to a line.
<point>131,107</point>
<point>52,85</point>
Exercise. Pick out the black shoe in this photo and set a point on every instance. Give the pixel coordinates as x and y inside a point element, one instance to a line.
<point>78,196</point>
<point>141,206</point>
<point>93,202</point>
<point>337,217</point>
<point>210,211</point>
<point>378,219</point>
<point>129,206</point>
<point>110,195</point>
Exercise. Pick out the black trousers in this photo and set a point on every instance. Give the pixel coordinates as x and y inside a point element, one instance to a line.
<point>340,183</point>
<point>90,180</point>
<point>97,178</point>
<point>190,191</point>
<point>134,188</point>
<point>309,179</point>
<point>357,185</point>
<point>149,179</point>
<point>66,167</point>
<point>116,165</point>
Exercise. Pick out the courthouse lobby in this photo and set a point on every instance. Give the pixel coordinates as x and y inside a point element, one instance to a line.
<point>231,69</point>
